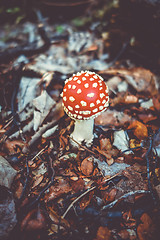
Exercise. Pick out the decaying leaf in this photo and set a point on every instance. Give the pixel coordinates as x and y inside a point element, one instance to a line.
<point>133,182</point>
<point>13,146</point>
<point>156,102</point>
<point>7,173</point>
<point>62,187</point>
<point>87,166</point>
<point>35,220</point>
<point>109,197</point>
<point>112,118</point>
<point>103,233</point>
<point>158,190</point>
<point>146,229</point>
<point>139,129</point>
<point>139,78</point>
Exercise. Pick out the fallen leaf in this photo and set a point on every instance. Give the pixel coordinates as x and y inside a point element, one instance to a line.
<point>133,143</point>
<point>35,220</point>
<point>146,117</point>
<point>139,78</point>
<point>139,130</point>
<point>129,221</point>
<point>62,187</point>
<point>86,200</point>
<point>105,144</point>
<point>87,166</point>
<point>13,146</point>
<point>112,118</point>
<point>37,180</point>
<point>111,195</point>
<point>7,173</point>
<point>124,234</point>
<point>146,229</point>
<point>156,102</point>
<point>158,190</point>
<point>103,233</point>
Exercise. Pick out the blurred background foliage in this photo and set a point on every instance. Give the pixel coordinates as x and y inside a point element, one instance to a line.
<point>117,22</point>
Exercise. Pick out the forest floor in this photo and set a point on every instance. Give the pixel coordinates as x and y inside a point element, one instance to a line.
<point>50,189</point>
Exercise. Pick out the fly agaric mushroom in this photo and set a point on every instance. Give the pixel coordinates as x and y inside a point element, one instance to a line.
<point>85,96</point>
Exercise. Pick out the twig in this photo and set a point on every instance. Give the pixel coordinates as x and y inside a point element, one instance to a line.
<point>83,194</point>
<point>129,194</point>
<point>81,145</point>
<point>26,182</point>
<point>46,187</point>
<point>40,152</point>
<point>8,123</point>
<point>148,169</point>
<point>72,204</point>
<point>64,4</point>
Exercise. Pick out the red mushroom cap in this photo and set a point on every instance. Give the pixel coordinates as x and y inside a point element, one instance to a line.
<point>85,95</point>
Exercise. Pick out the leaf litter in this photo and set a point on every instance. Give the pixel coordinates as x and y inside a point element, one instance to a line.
<point>107,191</point>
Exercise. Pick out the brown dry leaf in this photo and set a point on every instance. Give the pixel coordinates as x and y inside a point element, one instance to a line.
<point>13,146</point>
<point>107,155</point>
<point>105,144</point>
<point>130,99</point>
<point>19,190</point>
<point>87,166</point>
<point>146,117</point>
<point>37,180</point>
<point>123,98</point>
<point>139,130</point>
<point>34,220</point>
<point>124,234</point>
<point>156,102</point>
<point>111,195</point>
<point>145,230</point>
<point>103,233</point>
<point>129,221</point>
<point>157,172</point>
<point>158,190</point>
<point>61,187</point>
<point>78,185</point>
<point>133,182</point>
<point>112,118</point>
<point>7,173</point>
<point>139,78</point>
<point>134,143</point>
<point>86,200</point>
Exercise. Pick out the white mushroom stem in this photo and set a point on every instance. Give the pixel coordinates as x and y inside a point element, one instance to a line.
<point>83,131</point>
